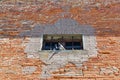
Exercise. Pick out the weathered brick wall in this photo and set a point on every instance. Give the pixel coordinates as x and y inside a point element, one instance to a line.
<point>19,17</point>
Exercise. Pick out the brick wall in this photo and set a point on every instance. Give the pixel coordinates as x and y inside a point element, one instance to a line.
<point>19,17</point>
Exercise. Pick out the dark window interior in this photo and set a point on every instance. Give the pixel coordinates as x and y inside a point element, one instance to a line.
<point>50,46</point>
<point>77,45</point>
<point>69,42</point>
<point>47,45</point>
<point>68,45</point>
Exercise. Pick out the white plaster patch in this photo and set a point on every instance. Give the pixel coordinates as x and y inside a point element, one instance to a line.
<point>109,70</point>
<point>28,69</point>
<point>62,26</point>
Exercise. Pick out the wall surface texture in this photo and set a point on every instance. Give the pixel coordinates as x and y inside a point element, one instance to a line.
<point>19,16</point>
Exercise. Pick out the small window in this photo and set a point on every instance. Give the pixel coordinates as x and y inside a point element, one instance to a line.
<point>57,42</point>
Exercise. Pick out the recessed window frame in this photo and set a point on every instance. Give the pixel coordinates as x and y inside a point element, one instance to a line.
<point>64,41</point>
